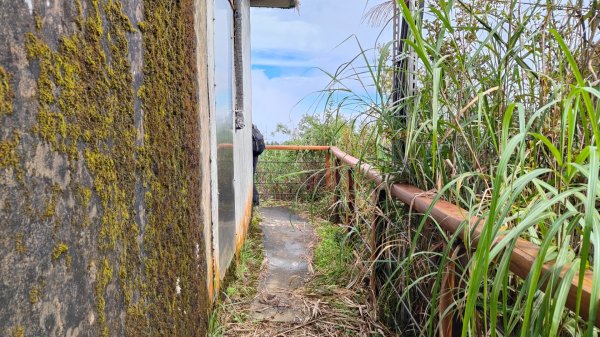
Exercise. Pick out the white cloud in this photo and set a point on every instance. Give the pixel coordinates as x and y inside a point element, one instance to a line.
<point>280,99</point>
<point>270,31</point>
<point>319,35</point>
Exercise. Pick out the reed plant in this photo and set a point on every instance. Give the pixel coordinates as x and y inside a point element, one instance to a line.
<point>504,122</point>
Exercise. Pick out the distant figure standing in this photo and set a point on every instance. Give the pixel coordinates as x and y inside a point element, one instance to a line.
<point>258,146</point>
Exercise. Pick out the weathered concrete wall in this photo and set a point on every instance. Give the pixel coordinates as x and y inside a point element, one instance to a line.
<point>202,37</point>
<point>102,203</point>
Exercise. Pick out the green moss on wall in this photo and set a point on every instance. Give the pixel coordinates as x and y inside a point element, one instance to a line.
<point>9,157</point>
<point>20,243</point>
<point>59,250</point>
<point>18,331</point>
<point>37,19</point>
<point>169,100</point>
<point>6,94</point>
<point>86,112</point>
<point>34,294</point>
<point>52,201</point>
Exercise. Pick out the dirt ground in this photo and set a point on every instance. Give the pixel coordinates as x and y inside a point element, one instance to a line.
<point>286,300</point>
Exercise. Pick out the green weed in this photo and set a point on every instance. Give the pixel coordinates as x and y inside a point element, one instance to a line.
<point>331,255</point>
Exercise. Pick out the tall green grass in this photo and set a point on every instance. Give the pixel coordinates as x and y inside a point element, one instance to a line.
<point>505,124</point>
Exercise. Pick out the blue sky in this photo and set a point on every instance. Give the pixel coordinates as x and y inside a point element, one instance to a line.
<point>289,47</point>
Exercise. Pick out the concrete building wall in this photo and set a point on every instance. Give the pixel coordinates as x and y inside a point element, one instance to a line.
<point>204,125</point>
<point>243,137</point>
<point>104,188</point>
<point>125,187</point>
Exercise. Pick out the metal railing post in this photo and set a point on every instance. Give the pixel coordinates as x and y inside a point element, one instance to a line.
<point>351,195</point>
<point>335,216</point>
<point>379,199</point>
<point>328,169</point>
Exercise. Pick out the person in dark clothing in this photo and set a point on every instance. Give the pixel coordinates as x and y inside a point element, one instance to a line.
<point>258,146</point>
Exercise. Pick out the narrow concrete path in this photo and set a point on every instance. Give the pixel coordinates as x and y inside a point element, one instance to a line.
<point>288,247</point>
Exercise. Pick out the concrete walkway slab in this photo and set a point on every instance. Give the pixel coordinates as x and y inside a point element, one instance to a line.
<point>288,246</point>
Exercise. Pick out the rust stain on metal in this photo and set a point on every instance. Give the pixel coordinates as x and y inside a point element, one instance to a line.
<point>210,276</point>
<point>328,169</point>
<point>245,222</point>
<point>447,296</point>
<point>450,217</point>
<point>297,147</point>
<point>216,278</point>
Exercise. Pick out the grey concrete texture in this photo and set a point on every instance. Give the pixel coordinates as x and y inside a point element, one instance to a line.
<point>45,289</point>
<point>51,261</point>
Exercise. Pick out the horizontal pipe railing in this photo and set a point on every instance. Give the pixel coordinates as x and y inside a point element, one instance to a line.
<point>298,147</point>
<point>450,217</point>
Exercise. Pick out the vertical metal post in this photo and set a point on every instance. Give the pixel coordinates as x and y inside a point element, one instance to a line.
<point>379,199</point>
<point>403,80</point>
<point>350,188</point>
<point>450,324</point>
<point>328,169</point>
<point>335,215</point>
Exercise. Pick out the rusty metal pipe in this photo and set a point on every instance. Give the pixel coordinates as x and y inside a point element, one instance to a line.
<point>450,217</point>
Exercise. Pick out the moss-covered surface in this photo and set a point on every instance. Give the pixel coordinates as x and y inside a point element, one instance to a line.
<point>18,331</point>
<point>20,244</point>
<point>34,294</point>
<point>8,153</point>
<point>171,170</point>
<point>85,97</point>
<point>86,113</point>
<point>59,250</point>
<point>6,94</point>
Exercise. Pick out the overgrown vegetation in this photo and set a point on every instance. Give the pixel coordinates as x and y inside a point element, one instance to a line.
<point>504,122</point>
<point>233,304</point>
<point>6,94</point>
<point>331,256</point>
<point>333,303</point>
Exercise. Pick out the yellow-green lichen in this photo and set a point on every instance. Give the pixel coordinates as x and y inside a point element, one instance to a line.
<point>168,96</point>
<point>104,277</point>
<point>18,331</point>
<point>37,19</point>
<point>8,154</point>
<point>34,294</point>
<point>6,94</point>
<point>86,196</point>
<point>86,106</point>
<point>20,244</point>
<point>52,201</point>
<point>9,157</point>
<point>59,250</point>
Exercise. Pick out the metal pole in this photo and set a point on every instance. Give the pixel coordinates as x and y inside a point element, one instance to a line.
<point>328,169</point>
<point>403,63</point>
